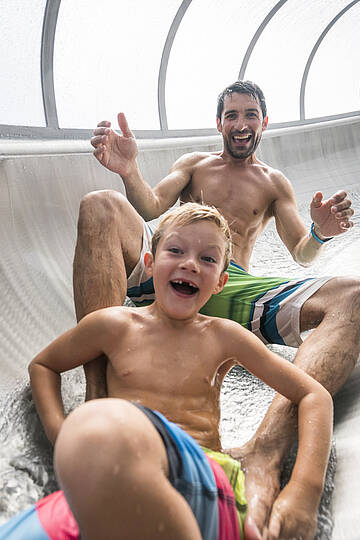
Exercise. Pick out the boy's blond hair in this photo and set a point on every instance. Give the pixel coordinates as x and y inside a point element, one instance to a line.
<point>188,213</point>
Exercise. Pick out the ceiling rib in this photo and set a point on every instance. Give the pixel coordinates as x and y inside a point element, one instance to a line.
<point>164,63</point>
<point>47,62</point>
<point>257,34</point>
<point>313,52</point>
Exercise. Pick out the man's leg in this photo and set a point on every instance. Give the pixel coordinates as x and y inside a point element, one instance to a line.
<point>113,467</point>
<point>329,354</point>
<point>108,247</point>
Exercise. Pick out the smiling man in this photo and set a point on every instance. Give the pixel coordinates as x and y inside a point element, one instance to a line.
<point>113,237</point>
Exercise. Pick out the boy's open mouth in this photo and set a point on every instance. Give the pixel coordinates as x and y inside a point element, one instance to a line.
<point>184,287</point>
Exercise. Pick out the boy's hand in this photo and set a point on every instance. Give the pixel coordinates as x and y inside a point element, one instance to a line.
<point>116,152</point>
<point>293,515</point>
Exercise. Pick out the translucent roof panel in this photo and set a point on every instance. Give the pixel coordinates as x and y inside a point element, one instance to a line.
<point>66,65</point>
<point>279,58</point>
<point>333,83</point>
<point>107,59</point>
<point>206,56</point>
<point>20,46</point>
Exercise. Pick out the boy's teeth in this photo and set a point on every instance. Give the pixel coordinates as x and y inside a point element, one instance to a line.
<point>181,282</point>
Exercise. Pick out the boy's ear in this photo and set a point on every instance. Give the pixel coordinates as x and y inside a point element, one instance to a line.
<point>224,276</point>
<point>148,261</point>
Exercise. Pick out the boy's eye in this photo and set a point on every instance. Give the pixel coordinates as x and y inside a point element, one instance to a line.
<point>174,250</point>
<point>209,259</point>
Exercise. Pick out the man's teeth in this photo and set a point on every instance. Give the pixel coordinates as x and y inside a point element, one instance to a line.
<point>241,137</point>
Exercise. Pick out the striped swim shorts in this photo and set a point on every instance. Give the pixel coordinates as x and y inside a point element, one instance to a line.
<point>267,306</point>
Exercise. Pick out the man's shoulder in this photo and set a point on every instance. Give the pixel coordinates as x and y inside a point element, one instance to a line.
<point>197,157</point>
<point>272,172</point>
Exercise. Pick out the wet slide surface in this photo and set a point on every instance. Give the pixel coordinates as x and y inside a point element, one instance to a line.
<point>41,185</point>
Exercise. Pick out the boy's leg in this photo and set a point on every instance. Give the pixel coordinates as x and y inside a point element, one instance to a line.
<point>108,248</point>
<point>112,464</point>
<point>329,355</point>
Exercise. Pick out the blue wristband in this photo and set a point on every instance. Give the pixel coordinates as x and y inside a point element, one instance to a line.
<point>315,236</point>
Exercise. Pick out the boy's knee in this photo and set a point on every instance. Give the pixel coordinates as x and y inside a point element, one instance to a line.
<point>98,427</point>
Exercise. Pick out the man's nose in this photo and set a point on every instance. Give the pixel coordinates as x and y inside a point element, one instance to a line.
<point>241,123</point>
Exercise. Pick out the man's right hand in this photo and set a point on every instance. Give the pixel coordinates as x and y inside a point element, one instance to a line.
<point>116,152</point>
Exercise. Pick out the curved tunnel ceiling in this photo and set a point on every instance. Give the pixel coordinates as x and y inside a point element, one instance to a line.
<point>165,65</point>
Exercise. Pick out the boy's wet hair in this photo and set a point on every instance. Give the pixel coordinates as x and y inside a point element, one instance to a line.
<point>242,87</point>
<point>188,213</point>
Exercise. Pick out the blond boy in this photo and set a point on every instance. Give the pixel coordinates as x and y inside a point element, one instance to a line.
<point>129,472</point>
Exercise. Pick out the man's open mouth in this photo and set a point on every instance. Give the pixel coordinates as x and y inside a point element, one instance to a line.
<point>241,138</point>
<point>184,287</point>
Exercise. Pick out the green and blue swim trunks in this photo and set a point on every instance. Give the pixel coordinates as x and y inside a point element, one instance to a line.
<point>267,306</point>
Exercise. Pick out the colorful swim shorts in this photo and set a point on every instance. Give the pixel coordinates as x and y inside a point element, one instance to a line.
<point>212,483</point>
<point>267,306</point>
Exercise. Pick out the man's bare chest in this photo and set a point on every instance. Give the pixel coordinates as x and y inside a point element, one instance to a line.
<point>247,198</point>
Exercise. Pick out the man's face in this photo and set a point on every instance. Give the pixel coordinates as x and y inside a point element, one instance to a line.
<point>241,125</point>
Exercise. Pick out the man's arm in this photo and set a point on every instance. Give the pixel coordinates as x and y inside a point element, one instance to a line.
<point>118,153</point>
<point>74,348</point>
<point>330,218</point>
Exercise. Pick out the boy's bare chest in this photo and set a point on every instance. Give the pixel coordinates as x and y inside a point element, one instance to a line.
<point>165,366</point>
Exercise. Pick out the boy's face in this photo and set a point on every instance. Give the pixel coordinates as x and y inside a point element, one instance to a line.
<point>188,268</point>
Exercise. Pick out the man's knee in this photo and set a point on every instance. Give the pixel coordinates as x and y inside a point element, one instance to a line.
<point>342,291</point>
<point>102,206</point>
<point>338,299</point>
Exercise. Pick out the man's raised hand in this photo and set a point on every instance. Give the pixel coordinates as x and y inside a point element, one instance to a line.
<point>117,152</point>
<point>331,217</point>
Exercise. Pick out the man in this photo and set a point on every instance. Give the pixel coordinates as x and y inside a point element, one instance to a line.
<point>249,193</point>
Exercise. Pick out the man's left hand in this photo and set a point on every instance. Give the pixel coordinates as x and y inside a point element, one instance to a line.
<point>332,216</point>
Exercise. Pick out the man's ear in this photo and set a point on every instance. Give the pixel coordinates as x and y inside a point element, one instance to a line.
<point>218,124</point>
<point>148,261</point>
<point>224,276</point>
<point>265,123</point>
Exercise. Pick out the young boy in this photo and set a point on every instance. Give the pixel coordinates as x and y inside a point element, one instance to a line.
<point>129,472</point>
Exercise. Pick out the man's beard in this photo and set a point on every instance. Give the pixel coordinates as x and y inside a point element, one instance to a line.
<point>242,154</point>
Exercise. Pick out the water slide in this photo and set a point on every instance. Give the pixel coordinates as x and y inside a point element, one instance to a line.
<point>41,185</point>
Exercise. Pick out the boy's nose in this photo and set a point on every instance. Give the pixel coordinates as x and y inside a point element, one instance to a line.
<point>190,264</point>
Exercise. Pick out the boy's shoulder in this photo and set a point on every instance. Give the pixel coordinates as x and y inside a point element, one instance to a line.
<point>224,326</point>
<point>113,316</point>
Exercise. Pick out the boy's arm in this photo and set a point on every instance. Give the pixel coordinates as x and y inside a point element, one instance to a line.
<point>118,153</point>
<point>297,504</point>
<point>330,218</point>
<point>74,348</point>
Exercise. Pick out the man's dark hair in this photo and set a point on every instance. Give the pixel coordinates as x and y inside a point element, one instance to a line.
<point>241,87</point>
